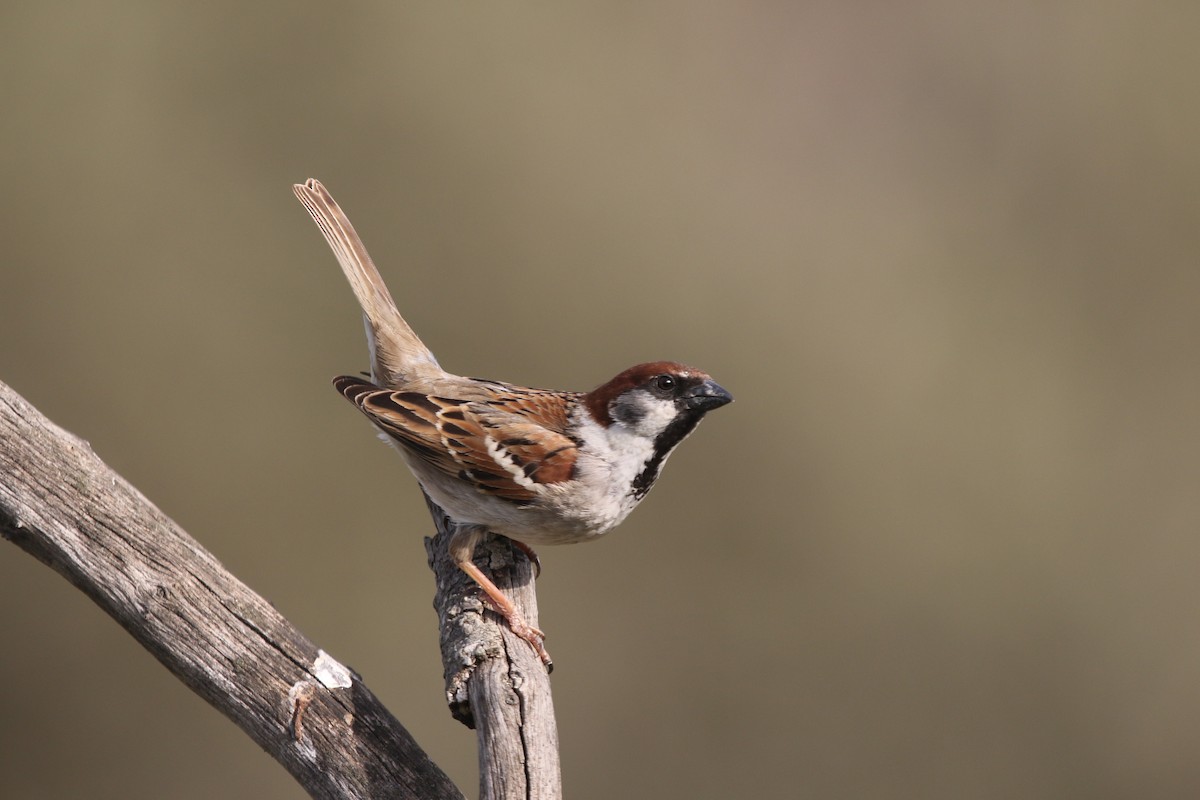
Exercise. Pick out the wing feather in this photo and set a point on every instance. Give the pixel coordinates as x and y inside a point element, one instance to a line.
<point>507,442</point>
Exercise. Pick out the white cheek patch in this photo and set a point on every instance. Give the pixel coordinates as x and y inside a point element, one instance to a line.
<point>647,416</point>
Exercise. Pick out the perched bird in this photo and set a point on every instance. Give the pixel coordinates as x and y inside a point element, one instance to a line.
<point>535,465</point>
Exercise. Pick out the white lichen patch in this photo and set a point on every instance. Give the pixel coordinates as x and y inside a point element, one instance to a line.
<point>306,749</point>
<point>301,691</point>
<point>331,673</point>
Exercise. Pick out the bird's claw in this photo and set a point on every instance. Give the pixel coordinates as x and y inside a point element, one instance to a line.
<point>523,630</point>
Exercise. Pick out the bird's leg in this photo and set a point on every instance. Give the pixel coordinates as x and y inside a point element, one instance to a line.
<point>462,549</point>
<point>531,554</point>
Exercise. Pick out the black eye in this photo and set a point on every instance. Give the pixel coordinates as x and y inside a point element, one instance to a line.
<point>665,383</point>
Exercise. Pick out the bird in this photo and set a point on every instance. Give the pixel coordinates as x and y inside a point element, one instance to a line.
<point>537,466</point>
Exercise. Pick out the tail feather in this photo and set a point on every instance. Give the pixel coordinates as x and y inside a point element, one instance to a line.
<point>397,353</point>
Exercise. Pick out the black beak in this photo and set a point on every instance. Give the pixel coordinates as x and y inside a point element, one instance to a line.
<point>706,396</point>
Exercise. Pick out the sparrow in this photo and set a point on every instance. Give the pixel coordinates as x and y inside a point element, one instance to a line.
<point>534,465</point>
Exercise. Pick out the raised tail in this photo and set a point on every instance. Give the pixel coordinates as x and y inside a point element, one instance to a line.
<point>397,353</point>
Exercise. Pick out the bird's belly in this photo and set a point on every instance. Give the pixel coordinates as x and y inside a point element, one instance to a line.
<point>561,515</point>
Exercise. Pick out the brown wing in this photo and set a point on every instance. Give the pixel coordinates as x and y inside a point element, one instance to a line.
<point>504,443</point>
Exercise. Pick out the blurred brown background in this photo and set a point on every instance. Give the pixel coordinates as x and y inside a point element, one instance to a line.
<point>944,254</point>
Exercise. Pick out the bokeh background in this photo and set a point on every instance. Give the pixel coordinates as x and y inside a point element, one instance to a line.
<point>944,254</point>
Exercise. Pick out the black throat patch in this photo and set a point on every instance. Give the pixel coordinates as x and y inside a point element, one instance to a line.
<point>664,443</point>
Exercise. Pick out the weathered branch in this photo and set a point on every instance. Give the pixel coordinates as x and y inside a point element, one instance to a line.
<point>495,682</point>
<point>63,505</point>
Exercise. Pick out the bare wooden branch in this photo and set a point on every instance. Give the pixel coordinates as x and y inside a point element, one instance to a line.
<point>495,683</point>
<point>62,504</point>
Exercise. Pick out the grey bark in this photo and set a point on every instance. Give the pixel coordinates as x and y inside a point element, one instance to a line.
<point>63,505</point>
<point>495,683</point>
